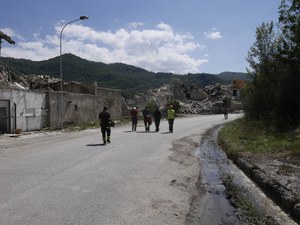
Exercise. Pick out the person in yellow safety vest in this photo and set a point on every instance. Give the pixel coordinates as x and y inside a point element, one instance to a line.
<point>171,117</point>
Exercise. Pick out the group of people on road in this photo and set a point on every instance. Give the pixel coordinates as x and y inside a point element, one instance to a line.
<point>157,116</point>
<point>106,122</point>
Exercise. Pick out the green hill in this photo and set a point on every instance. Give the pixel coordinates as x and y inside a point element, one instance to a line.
<point>129,79</point>
<point>229,76</point>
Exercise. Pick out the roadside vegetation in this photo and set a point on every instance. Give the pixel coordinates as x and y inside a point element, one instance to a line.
<point>254,137</point>
<point>273,97</point>
<point>272,100</point>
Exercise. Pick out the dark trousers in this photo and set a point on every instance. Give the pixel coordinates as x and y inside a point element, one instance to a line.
<point>134,123</point>
<point>147,124</point>
<point>105,130</point>
<point>226,115</point>
<point>171,122</point>
<point>157,122</point>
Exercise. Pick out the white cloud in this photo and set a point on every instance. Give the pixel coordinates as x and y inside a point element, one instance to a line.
<point>213,34</point>
<point>164,26</point>
<point>160,49</point>
<point>135,24</point>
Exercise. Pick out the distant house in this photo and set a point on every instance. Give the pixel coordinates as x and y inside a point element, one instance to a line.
<point>236,88</point>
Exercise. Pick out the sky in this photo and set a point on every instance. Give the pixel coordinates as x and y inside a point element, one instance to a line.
<point>173,36</point>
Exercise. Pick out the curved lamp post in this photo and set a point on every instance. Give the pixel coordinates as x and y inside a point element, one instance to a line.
<point>61,73</point>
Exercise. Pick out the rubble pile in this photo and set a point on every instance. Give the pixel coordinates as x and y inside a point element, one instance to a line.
<point>6,79</point>
<point>192,98</point>
<point>42,82</point>
<point>13,79</point>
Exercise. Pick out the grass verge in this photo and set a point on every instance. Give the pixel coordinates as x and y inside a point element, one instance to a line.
<point>250,136</point>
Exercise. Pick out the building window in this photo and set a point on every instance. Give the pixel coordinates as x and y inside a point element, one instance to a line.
<point>234,93</point>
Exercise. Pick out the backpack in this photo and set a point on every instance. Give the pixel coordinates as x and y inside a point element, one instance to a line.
<point>149,119</point>
<point>111,123</point>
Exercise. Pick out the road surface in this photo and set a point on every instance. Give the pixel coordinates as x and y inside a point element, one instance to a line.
<point>140,178</point>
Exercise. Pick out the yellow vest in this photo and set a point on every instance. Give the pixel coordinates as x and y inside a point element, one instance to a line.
<point>171,114</point>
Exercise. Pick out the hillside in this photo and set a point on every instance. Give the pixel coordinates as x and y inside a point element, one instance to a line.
<point>129,79</point>
<point>229,76</point>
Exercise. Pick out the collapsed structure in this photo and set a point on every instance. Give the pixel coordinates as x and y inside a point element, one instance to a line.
<point>34,102</point>
<point>193,99</point>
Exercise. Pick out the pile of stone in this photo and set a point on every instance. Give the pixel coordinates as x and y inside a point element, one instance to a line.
<point>12,79</point>
<point>192,98</point>
<point>42,82</point>
<point>6,79</point>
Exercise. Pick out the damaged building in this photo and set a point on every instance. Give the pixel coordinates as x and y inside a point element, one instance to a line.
<point>193,99</point>
<point>34,102</point>
<point>30,103</point>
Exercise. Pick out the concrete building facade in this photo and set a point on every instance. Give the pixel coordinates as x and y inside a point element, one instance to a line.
<point>31,110</point>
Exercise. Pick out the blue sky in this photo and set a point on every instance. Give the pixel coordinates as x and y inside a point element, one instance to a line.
<point>190,36</point>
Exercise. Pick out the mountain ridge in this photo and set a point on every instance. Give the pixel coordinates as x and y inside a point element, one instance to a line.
<point>130,79</point>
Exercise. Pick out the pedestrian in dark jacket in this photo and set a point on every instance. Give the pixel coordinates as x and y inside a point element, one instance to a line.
<point>134,118</point>
<point>157,117</point>
<point>105,123</point>
<point>147,119</point>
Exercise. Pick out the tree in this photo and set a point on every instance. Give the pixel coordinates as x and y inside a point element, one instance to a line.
<point>287,111</point>
<point>289,21</point>
<point>262,58</point>
<point>274,59</point>
<point>152,106</point>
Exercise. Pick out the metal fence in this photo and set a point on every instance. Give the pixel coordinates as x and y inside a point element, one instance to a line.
<point>4,116</point>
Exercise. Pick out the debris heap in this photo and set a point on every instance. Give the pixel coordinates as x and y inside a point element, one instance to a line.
<point>192,98</point>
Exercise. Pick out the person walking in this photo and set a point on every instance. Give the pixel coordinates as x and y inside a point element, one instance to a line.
<point>225,114</point>
<point>134,118</point>
<point>171,117</point>
<point>147,118</point>
<point>105,123</point>
<point>157,117</point>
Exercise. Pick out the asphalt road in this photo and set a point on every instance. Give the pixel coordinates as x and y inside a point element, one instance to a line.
<point>71,179</point>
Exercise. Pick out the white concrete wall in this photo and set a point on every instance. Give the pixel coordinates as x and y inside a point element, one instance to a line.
<point>34,110</point>
<point>27,108</point>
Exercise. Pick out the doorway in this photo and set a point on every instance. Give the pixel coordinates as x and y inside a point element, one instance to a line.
<point>4,116</point>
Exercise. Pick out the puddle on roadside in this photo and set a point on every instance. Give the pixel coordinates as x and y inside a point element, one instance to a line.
<point>215,208</point>
<point>211,206</point>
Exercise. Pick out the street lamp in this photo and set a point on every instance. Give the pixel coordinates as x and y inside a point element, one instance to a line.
<point>61,73</point>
